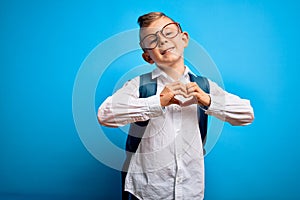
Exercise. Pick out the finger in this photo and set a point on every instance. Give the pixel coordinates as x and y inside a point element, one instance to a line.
<point>174,101</point>
<point>190,84</point>
<point>201,99</point>
<point>193,94</point>
<point>179,87</point>
<point>180,92</point>
<point>193,87</point>
<point>178,84</point>
<point>166,99</point>
<point>168,90</point>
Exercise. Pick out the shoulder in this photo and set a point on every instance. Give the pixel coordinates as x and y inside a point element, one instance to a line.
<point>139,80</point>
<point>133,82</point>
<point>216,88</point>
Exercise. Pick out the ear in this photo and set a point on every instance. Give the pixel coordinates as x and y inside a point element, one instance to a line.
<point>147,58</point>
<point>185,38</point>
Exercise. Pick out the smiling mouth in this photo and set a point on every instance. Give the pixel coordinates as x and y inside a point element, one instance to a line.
<point>166,50</point>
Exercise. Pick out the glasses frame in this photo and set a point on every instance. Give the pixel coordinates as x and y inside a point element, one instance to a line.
<point>161,32</point>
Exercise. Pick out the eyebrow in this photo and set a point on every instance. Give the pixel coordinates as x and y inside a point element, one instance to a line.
<point>153,33</point>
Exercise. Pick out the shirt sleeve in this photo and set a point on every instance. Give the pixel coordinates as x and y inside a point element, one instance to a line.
<point>229,107</point>
<point>125,106</point>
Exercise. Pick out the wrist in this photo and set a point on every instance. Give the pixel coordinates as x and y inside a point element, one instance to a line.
<point>205,100</point>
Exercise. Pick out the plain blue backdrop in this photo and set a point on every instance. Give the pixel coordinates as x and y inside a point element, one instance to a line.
<point>255,45</point>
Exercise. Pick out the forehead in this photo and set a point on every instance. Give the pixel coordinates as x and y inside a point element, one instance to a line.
<point>155,26</point>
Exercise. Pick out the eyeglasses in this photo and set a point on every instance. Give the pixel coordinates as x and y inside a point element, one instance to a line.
<point>169,31</point>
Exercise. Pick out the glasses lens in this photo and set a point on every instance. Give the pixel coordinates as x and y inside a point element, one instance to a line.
<point>150,41</point>
<point>170,30</point>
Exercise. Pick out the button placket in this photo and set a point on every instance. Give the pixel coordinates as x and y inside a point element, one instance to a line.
<point>178,151</point>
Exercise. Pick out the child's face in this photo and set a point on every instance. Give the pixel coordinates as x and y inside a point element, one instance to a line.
<point>168,52</point>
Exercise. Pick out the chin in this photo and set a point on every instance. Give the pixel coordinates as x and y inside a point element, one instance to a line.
<point>166,64</point>
<point>172,60</point>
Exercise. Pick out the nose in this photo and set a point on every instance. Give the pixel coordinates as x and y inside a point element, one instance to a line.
<point>161,39</point>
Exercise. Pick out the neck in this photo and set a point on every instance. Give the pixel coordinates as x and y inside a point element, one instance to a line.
<point>175,70</point>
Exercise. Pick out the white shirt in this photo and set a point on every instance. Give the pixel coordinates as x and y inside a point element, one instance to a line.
<point>168,163</point>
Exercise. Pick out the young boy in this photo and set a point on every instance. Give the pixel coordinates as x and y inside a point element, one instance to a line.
<point>167,162</point>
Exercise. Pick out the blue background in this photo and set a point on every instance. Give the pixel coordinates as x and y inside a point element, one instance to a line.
<point>43,43</point>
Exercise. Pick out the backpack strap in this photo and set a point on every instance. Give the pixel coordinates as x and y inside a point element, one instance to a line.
<point>203,83</point>
<point>148,87</point>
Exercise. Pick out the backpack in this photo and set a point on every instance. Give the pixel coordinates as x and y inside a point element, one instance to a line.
<point>147,88</point>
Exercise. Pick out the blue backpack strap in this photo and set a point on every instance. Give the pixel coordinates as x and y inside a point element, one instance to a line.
<point>202,82</point>
<point>148,87</point>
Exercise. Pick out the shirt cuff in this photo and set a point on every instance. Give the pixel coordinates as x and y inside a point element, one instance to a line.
<point>155,109</point>
<point>215,104</point>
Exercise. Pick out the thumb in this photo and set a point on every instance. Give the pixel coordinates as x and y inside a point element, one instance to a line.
<point>175,101</point>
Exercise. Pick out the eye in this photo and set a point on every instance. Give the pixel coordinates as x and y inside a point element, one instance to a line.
<point>169,32</point>
<point>152,41</point>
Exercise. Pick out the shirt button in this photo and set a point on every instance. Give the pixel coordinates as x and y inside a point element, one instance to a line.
<point>177,108</point>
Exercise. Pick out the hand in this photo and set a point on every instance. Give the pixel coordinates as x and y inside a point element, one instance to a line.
<point>170,90</point>
<point>195,91</point>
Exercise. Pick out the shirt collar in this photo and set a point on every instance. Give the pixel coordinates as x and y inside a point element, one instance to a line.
<point>158,72</point>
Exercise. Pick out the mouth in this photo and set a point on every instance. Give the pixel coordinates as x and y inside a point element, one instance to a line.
<point>163,52</point>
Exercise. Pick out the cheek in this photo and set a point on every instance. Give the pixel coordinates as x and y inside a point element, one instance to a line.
<point>181,43</point>
<point>154,55</point>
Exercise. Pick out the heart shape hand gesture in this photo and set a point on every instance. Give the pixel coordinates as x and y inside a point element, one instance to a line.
<point>183,94</point>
